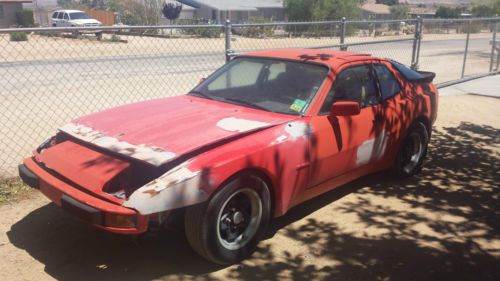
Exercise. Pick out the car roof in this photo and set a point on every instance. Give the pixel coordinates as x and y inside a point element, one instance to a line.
<point>330,58</point>
<point>69,11</point>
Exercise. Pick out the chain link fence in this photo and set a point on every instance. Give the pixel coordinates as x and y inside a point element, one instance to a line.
<point>59,74</point>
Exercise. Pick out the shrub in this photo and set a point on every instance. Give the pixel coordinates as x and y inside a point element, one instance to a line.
<point>258,31</point>
<point>25,18</point>
<point>203,32</point>
<point>18,36</point>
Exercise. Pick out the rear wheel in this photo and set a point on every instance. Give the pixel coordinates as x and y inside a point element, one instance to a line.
<point>228,227</point>
<point>412,151</point>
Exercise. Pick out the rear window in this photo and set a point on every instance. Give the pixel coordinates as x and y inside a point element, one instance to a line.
<point>407,72</point>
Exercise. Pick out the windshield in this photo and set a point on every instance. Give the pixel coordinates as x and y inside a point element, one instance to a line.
<point>272,85</point>
<point>79,16</point>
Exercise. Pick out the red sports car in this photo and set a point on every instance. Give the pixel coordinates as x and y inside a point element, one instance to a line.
<point>262,134</point>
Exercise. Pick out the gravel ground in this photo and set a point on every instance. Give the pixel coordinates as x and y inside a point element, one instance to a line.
<point>441,225</point>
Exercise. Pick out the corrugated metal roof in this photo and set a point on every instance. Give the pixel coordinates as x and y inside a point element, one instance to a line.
<point>16,1</point>
<point>235,5</point>
<point>379,9</point>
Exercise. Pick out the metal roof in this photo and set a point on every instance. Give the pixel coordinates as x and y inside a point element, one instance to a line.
<point>235,5</point>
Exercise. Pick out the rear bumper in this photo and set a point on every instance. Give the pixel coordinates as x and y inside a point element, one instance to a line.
<point>89,208</point>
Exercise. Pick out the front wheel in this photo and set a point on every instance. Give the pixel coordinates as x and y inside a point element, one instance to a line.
<point>228,227</point>
<point>412,152</point>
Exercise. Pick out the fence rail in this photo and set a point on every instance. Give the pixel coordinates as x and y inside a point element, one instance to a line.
<point>61,73</point>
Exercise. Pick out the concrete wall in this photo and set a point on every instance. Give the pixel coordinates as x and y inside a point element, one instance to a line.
<point>8,13</point>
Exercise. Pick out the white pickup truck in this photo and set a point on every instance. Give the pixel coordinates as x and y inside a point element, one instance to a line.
<point>75,18</point>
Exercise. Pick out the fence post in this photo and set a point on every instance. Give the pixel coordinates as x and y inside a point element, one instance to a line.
<point>466,48</point>
<point>416,44</point>
<point>227,31</point>
<point>342,35</point>
<point>493,45</point>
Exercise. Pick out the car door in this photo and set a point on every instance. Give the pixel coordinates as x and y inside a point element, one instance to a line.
<point>395,106</point>
<point>65,20</point>
<point>341,144</point>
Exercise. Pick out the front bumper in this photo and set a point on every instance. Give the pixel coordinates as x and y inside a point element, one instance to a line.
<point>91,209</point>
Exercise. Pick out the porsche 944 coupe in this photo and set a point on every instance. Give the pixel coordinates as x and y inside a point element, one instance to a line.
<point>263,133</point>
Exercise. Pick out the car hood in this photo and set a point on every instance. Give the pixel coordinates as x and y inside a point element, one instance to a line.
<point>161,130</point>
<point>84,21</point>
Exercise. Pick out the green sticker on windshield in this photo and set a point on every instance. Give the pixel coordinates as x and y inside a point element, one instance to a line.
<point>298,105</point>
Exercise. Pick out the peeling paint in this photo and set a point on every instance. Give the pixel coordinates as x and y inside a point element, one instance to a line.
<point>177,188</point>
<point>233,124</point>
<point>280,139</point>
<point>372,149</point>
<point>147,153</point>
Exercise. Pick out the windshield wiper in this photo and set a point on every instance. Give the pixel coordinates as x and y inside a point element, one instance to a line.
<point>244,102</point>
<point>202,95</point>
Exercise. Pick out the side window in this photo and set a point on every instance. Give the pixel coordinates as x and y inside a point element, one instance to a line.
<point>352,84</point>
<point>54,15</point>
<point>389,86</point>
<point>66,17</point>
<point>244,73</point>
<point>60,16</point>
<point>1,11</point>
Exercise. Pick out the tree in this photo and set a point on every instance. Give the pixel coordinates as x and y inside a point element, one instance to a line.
<point>172,10</point>
<point>400,11</point>
<point>447,12</point>
<point>306,10</point>
<point>486,8</point>
<point>299,10</point>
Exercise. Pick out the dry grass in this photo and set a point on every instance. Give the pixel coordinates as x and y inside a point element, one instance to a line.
<point>13,190</point>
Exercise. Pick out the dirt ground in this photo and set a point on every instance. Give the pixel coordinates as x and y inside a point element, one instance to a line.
<point>442,225</point>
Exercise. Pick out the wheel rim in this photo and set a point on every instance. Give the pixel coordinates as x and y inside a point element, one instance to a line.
<point>412,152</point>
<point>239,219</point>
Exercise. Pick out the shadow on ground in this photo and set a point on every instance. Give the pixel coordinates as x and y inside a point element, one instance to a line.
<point>444,229</point>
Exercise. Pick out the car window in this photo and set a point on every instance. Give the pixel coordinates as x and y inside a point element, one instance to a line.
<point>66,17</point>
<point>352,84</point>
<point>60,16</point>
<point>243,73</point>
<point>79,16</point>
<point>389,86</point>
<point>269,84</point>
<point>54,15</point>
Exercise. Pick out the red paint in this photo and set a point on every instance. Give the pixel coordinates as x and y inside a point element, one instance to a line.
<point>301,157</point>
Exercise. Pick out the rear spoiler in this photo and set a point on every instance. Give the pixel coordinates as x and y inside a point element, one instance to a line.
<point>413,75</point>
<point>427,77</point>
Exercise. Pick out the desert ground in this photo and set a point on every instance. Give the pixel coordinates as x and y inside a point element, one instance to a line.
<point>440,225</point>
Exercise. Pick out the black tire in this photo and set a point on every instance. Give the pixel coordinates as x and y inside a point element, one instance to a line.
<point>99,36</point>
<point>204,226</point>
<point>410,161</point>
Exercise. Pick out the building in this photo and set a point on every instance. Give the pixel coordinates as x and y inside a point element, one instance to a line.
<point>373,11</point>
<point>8,12</point>
<point>238,11</point>
<point>42,9</point>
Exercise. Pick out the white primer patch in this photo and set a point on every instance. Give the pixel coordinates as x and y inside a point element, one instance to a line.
<point>372,149</point>
<point>179,187</point>
<point>147,153</point>
<point>298,129</point>
<point>234,124</point>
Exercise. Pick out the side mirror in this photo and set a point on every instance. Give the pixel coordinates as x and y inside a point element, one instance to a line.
<point>202,80</point>
<point>345,108</point>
